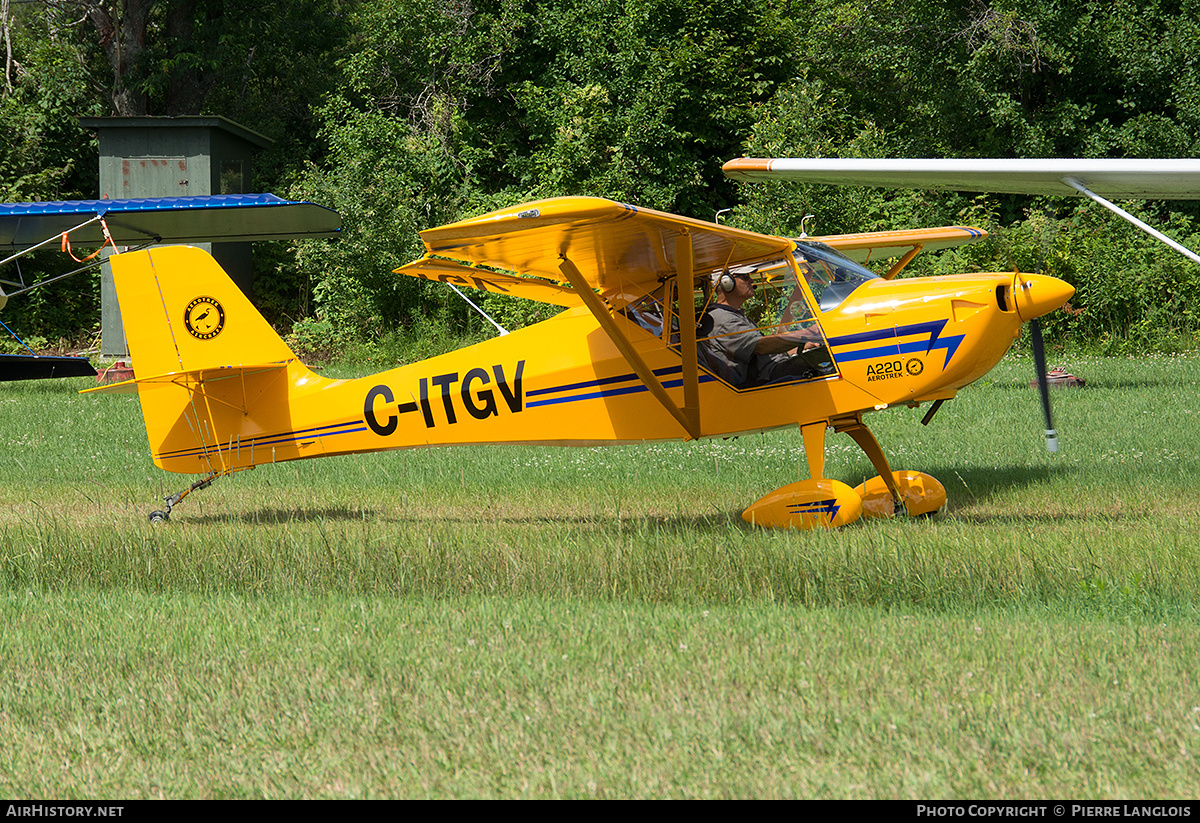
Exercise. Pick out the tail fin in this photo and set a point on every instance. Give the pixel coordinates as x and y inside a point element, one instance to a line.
<point>182,313</point>
<point>212,376</point>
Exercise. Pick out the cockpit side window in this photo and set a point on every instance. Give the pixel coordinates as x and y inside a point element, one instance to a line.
<point>760,325</point>
<point>736,309</point>
<point>779,303</point>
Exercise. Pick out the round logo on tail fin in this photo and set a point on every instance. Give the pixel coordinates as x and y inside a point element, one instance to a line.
<point>204,318</point>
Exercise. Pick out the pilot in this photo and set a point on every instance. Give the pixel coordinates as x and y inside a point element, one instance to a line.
<point>746,356</point>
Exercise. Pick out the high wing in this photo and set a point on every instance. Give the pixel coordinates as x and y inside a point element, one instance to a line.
<point>884,244</point>
<point>622,251</point>
<point>609,254</point>
<point>1177,179</point>
<point>456,274</point>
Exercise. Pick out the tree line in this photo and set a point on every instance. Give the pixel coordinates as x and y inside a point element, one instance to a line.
<point>405,114</point>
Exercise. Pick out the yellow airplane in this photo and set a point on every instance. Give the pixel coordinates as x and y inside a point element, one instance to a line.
<point>638,353</point>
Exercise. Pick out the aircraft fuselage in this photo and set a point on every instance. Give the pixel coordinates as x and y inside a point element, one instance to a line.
<point>564,382</point>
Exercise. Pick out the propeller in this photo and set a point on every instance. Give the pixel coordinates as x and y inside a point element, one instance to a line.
<point>1033,300</point>
<point>1039,363</point>
<point>1022,288</point>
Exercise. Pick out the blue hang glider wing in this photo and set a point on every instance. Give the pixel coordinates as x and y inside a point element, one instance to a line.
<point>216,218</point>
<point>138,222</point>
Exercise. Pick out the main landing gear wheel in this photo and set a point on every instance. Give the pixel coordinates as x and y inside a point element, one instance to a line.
<point>921,494</point>
<point>825,503</point>
<point>807,504</point>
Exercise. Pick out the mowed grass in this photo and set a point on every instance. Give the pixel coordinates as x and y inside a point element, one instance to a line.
<point>519,622</point>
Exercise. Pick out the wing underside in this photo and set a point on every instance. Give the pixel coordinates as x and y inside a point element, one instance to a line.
<point>474,277</point>
<point>621,251</point>
<point>1100,180</point>
<point>234,217</point>
<point>1170,179</point>
<point>885,244</point>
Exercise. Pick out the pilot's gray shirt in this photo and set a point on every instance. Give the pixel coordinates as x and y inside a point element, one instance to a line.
<point>734,338</point>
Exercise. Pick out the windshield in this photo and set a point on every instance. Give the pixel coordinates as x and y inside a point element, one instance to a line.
<point>831,275</point>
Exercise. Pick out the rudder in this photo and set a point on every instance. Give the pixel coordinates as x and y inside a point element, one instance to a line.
<point>182,312</point>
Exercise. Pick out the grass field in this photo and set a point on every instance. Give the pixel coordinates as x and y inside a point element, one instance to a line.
<point>521,622</point>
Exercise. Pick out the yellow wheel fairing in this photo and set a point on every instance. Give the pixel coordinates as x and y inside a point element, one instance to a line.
<point>921,493</point>
<point>806,504</point>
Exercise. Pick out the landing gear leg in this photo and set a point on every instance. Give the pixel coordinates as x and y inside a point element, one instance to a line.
<point>870,446</point>
<point>891,493</point>
<point>823,502</point>
<point>164,515</point>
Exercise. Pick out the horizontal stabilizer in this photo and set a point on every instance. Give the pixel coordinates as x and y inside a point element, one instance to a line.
<point>185,379</point>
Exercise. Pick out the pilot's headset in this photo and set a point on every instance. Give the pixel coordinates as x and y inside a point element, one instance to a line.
<point>723,282</point>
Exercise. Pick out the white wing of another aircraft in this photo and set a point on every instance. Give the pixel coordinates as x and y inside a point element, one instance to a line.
<point>1117,179</point>
<point>1172,179</point>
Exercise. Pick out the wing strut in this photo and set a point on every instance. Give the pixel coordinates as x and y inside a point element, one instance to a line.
<point>1117,210</point>
<point>904,261</point>
<point>687,331</point>
<point>600,311</point>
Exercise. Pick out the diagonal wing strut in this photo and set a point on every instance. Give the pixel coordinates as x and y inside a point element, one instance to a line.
<point>688,417</point>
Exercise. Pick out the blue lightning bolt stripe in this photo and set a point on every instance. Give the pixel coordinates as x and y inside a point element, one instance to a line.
<point>845,347</point>
<point>829,507</point>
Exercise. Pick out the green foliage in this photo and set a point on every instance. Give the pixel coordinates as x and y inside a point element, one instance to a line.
<point>44,90</point>
<point>1132,292</point>
<point>1015,78</point>
<point>406,114</point>
<point>451,110</point>
<point>641,101</point>
<point>44,156</point>
<point>67,313</point>
<point>318,340</point>
<point>377,162</point>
